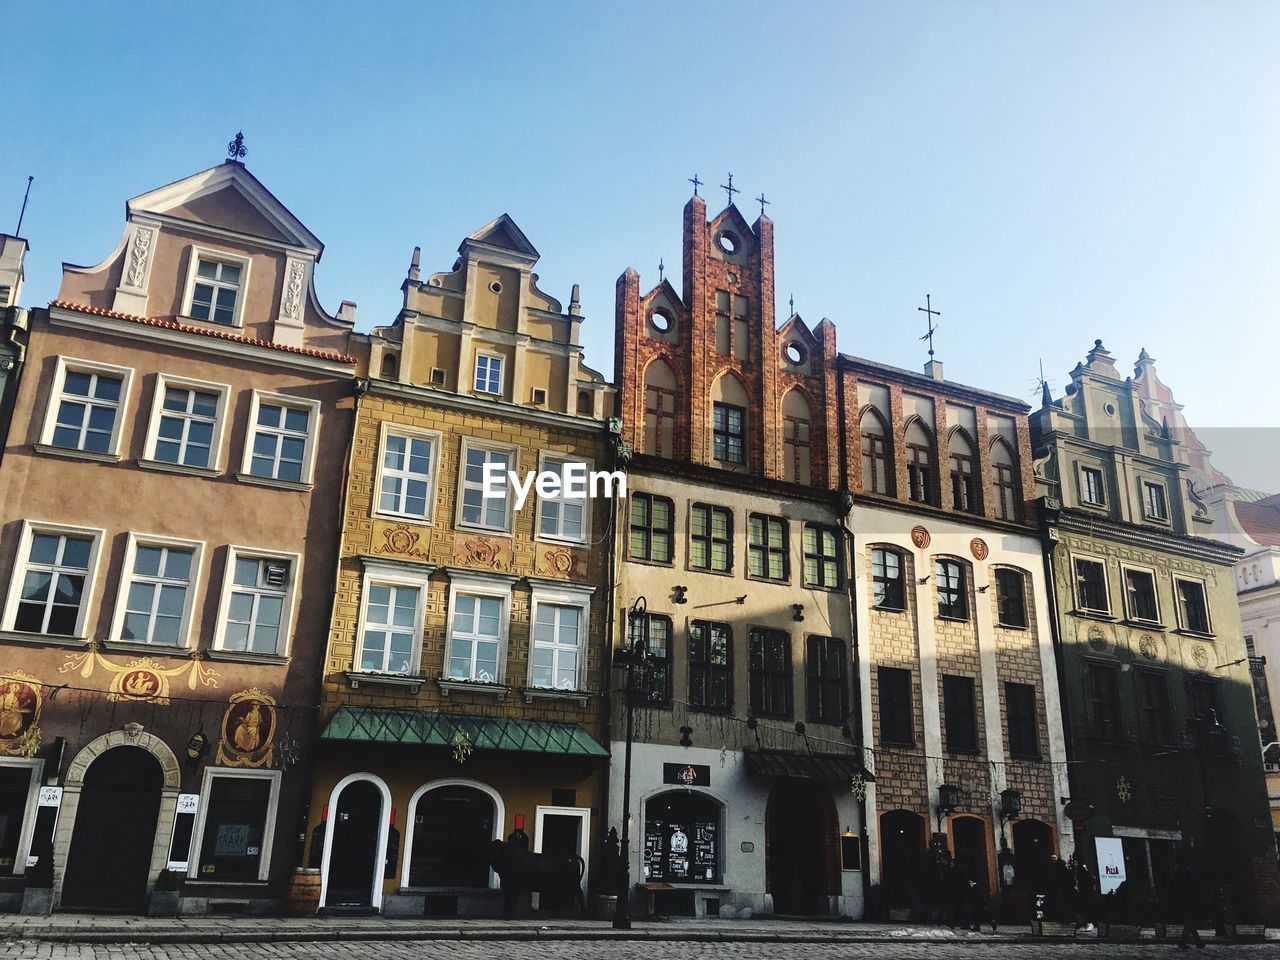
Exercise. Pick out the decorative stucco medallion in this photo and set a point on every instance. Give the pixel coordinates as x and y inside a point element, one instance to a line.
<point>920,537</point>
<point>491,553</point>
<point>978,547</point>
<point>557,562</point>
<point>401,541</point>
<point>1148,647</point>
<point>248,730</point>
<point>1200,656</point>
<point>20,702</point>
<point>1097,639</point>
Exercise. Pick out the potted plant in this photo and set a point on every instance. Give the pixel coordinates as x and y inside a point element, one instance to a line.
<point>37,896</point>
<point>165,894</point>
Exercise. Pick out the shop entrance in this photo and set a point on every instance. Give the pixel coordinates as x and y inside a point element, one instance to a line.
<point>115,830</point>
<point>969,847</point>
<point>801,857</point>
<point>452,829</point>
<point>355,821</point>
<point>902,835</point>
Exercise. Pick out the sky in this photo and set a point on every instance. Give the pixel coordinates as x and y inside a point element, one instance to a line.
<point>1048,172</point>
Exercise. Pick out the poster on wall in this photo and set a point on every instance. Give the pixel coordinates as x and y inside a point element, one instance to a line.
<point>1110,863</point>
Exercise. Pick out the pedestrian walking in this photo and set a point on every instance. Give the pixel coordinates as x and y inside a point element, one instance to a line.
<point>1186,894</point>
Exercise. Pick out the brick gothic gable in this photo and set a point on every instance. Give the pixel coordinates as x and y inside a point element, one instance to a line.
<point>727,270</point>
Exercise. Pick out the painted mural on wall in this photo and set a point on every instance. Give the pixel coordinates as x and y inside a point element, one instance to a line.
<point>248,730</point>
<point>20,703</point>
<point>141,679</point>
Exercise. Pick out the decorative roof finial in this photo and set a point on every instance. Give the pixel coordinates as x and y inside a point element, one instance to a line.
<point>661,270</point>
<point>415,264</point>
<point>696,183</point>
<point>791,301</point>
<point>929,313</point>
<point>575,301</point>
<point>236,148</point>
<point>730,189</point>
<point>762,201</point>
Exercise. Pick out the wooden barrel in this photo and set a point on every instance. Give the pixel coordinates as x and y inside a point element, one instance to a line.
<point>304,892</point>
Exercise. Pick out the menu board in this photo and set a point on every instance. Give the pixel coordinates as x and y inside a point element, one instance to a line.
<point>704,851</point>
<point>654,845</point>
<point>680,852</point>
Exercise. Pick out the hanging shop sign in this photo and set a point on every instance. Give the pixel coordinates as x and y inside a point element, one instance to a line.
<point>687,774</point>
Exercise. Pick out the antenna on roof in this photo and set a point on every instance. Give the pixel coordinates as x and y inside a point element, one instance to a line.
<point>23,213</point>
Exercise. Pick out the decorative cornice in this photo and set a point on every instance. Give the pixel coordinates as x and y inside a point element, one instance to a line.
<point>1089,524</point>
<point>495,408</point>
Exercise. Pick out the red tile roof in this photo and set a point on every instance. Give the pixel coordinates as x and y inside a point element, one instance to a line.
<point>1261,520</point>
<point>168,323</point>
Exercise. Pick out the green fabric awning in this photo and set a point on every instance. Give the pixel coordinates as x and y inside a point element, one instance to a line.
<point>431,728</point>
<point>832,767</point>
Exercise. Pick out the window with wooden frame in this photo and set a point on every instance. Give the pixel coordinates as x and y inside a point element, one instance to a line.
<point>1193,608</point>
<point>1155,709</point>
<point>710,666</point>
<point>953,591</point>
<point>1092,595</point>
<point>1140,598</point>
<point>652,633</point>
<point>1155,501</point>
<point>963,494</point>
<point>770,673</point>
<point>767,547</point>
<point>876,470</point>
<point>826,667</point>
<point>1020,705</point>
<point>887,590</point>
<point>920,476</point>
<point>651,528</point>
<point>728,432</point>
<point>1011,597</point>
<point>1004,489</point>
<point>821,547</point>
<point>710,538</point>
<point>960,711</point>
<point>1103,687</point>
<point>897,721</point>
<point>1092,488</point>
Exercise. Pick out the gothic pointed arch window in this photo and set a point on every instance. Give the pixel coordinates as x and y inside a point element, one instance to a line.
<point>964,495</point>
<point>920,468</point>
<point>659,409</point>
<point>1004,492</point>
<point>729,421</point>
<point>875,452</point>
<point>796,431</point>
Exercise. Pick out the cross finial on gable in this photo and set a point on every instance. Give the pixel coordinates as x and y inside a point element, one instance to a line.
<point>730,189</point>
<point>929,313</point>
<point>762,201</point>
<point>696,183</point>
<point>236,148</point>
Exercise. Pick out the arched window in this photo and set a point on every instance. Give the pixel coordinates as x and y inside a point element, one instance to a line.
<point>389,366</point>
<point>887,591</point>
<point>659,409</point>
<point>1004,493</point>
<point>795,438</point>
<point>960,451</point>
<point>453,827</point>
<point>585,404</point>
<point>682,838</point>
<point>875,452</point>
<point>953,592</point>
<point>729,421</point>
<point>920,463</point>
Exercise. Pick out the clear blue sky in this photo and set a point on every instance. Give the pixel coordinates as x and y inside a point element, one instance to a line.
<point>1049,172</point>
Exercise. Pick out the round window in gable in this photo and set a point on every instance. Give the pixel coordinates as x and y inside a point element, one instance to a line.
<point>733,277</point>
<point>660,320</point>
<point>727,241</point>
<point>1111,409</point>
<point>793,352</point>
<point>496,287</point>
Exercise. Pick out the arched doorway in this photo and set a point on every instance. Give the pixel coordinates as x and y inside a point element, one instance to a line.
<point>109,862</point>
<point>802,846</point>
<point>902,838</point>
<point>453,826</point>
<point>969,847</point>
<point>355,836</point>
<point>681,838</point>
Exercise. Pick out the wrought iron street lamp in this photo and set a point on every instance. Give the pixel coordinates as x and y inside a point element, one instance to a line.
<point>948,801</point>
<point>635,651</point>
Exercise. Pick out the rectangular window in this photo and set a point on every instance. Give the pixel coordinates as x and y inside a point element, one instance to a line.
<point>186,424</point>
<point>821,557</point>
<point>562,517</point>
<point>157,594</point>
<point>1011,597</point>
<point>475,638</point>
<point>237,812</point>
<point>953,592</point>
<point>1020,704</point>
<point>653,679</point>
<point>1003,491</point>
<point>489,373</point>
<point>770,673</point>
<point>1154,709</point>
<point>962,497</point>
<point>1091,489</point>
<point>1204,700</point>
<point>886,579</point>
<point>281,438</point>
<point>557,646</point>
<point>1140,595</point>
<point>1091,585</point>
<point>827,687</point>
<point>16,787</point>
<point>1104,701</point>
<point>256,604</point>
<point>741,342</point>
<point>476,510</point>
<point>87,406</point>
<point>1193,611</point>
<point>724,333</point>
<point>215,291</point>
<point>710,666</point>
<point>1155,501</point>
<point>388,640</point>
<point>897,724</point>
<point>961,714</point>
<point>710,538</point>
<point>728,433</point>
<point>767,547</point>
<point>651,528</point>
<point>875,463</point>
<point>406,474</point>
<point>919,473</point>
<point>52,580</point>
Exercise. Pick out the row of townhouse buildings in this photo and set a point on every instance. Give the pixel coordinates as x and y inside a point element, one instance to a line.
<point>267,637</point>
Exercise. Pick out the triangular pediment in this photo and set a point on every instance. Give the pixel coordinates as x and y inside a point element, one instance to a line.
<point>732,216</point>
<point>231,198</point>
<point>795,326</point>
<point>504,234</point>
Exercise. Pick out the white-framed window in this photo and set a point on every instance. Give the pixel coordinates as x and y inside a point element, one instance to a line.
<point>1092,590</point>
<point>558,637</point>
<point>479,615</point>
<point>235,825</point>
<point>52,580</point>
<point>489,373</point>
<point>1155,501</point>
<point>408,463</point>
<point>1093,491</point>
<point>1141,597</point>
<point>562,517</point>
<point>281,440</point>
<point>216,283</point>
<point>1193,605</point>
<point>157,591</point>
<point>474,509</point>
<point>392,602</point>
<point>187,419</point>
<point>19,796</point>
<point>256,609</point>
<point>86,407</point>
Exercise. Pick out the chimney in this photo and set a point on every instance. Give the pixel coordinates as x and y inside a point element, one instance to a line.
<point>415,265</point>
<point>347,311</point>
<point>13,250</point>
<point>934,369</point>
